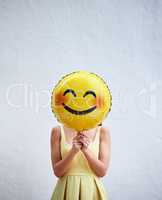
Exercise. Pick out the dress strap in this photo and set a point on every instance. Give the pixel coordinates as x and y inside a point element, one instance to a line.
<point>62,134</point>
<point>97,136</point>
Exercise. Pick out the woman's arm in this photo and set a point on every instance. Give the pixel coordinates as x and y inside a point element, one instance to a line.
<point>59,165</point>
<point>100,165</point>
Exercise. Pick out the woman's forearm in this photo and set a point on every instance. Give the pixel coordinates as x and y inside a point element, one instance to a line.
<point>96,165</point>
<point>62,166</point>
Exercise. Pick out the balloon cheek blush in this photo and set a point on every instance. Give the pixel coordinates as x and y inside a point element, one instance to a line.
<point>60,99</point>
<point>100,102</point>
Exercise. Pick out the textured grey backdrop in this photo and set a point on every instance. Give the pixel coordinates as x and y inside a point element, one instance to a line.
<point>42,40</point>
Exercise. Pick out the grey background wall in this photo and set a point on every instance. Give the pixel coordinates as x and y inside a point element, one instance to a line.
<point>42,40</point>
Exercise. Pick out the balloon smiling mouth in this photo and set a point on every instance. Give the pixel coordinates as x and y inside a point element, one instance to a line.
<point>76,112</point>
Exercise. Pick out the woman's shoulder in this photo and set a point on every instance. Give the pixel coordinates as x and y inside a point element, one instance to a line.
<point>104,133</point>
<point>55,133</point>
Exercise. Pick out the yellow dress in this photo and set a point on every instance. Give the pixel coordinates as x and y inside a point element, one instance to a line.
<point>79,182</point>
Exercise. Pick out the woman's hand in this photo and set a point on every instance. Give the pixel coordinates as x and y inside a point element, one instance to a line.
<point>85,141</point>
<point>76,144</point>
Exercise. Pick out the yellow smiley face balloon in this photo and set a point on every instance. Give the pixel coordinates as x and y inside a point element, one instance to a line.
<point>81,100</point>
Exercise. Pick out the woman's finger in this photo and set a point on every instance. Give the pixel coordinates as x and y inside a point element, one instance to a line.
<point>77,142</point>
<point>83,134</point>
<point>85,139</point>
<point>84,142</point>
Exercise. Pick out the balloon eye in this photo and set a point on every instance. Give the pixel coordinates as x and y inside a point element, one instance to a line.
<point>90,92</point>
<point>69,91</point>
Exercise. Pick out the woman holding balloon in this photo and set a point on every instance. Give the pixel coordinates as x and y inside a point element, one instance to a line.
<point>80,145</point>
